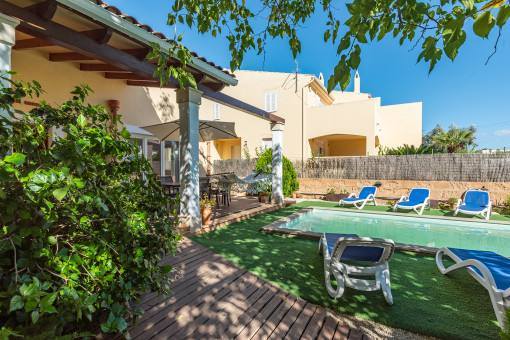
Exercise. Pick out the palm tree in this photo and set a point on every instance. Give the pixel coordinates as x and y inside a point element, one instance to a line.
<point>454,140</point>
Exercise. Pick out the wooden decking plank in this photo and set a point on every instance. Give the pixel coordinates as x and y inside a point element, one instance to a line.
<point>174,260</point>
<point>289,319</point>
<point>241,309</point>
<point>204,315</point>
<point>268,310</point>
<point>328,330</point>
<point>315,324</point>
<point>226,310</point>
<point>234,329</point>
<point>168,315</point>
<point>301,322</point>
<point>342,331</point>
<point>164,309</point>
<point>206,269</point>
<point>269,326</point>
<point>214,298</point>
<point>355,334</point>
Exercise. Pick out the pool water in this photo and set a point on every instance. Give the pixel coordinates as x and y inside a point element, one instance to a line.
<point>430,232</point>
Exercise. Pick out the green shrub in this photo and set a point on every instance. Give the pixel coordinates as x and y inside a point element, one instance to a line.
<point>290,183</point>
<point>84,224</point>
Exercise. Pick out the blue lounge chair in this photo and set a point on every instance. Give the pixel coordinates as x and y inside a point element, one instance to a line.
<point>418,198</point>
<point>377,252</point>
<point>366,194</point>
<point>491,270</point>
<point>475,202</point>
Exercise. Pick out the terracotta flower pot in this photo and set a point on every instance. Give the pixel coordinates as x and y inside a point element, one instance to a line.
<point>264,197</point>
<point>206,215</point>
<point>294,195</point>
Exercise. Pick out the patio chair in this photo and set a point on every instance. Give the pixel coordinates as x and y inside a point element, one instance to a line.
<point>475,202</point>
<point>366,194</point>
<point>491,270</point>
<point>418,199</point>
<point>338,248</point>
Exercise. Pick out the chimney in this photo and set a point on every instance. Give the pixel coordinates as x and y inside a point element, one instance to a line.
<point>321,78</point>
<point>357,83</point>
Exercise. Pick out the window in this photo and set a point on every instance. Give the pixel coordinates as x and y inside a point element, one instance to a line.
<point>267,143</point>
<point>216,111</point>
<point>271,101</point>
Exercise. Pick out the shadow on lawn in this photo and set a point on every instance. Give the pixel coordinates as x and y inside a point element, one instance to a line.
<point>425,301</point>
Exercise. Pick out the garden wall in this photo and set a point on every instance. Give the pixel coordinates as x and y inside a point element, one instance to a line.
<point>439,167</point>
<point>439,190</point>
<point>447,175</point>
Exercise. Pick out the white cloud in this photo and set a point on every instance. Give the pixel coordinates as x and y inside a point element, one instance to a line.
<point>504,132</point>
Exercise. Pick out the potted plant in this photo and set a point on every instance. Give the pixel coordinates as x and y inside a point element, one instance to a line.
<point>294,195</point>
<point>264,197</point>
<point>206,205</point>
<point>452,202</point>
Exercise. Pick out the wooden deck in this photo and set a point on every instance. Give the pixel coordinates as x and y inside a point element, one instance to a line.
<point>215,299</point>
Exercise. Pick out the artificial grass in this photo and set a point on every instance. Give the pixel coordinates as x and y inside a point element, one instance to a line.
<point>425,301</point>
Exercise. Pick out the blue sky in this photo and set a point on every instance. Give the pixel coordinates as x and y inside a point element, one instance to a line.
<point>464,92</point>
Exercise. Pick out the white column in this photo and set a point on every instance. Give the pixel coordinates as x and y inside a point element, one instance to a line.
<point>189,101</point>
<point>277,164</point>
<point>162,158</point>
<point>7,40</point>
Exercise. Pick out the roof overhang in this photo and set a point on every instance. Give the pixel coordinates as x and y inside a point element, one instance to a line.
<point>82,32</point>
<point>109,19</point>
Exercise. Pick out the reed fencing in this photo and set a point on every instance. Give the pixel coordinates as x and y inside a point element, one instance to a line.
<point>438,167</point>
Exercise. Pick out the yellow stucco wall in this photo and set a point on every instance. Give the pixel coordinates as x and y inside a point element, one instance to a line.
<point>401,124</point>
<point>351,114</point>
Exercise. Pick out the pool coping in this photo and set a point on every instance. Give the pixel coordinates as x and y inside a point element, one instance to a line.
<point>275,227</point>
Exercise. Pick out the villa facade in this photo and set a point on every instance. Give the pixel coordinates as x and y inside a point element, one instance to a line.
<point>317,123</point>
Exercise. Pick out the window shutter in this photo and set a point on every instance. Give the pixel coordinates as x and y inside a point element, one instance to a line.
<point>275,101</point>
<point>216,111</point>
<point>271,101</point>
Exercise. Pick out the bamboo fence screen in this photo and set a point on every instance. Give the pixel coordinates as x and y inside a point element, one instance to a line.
<point>438,167</point>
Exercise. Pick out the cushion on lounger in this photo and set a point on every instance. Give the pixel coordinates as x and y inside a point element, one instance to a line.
<point>498,265</point>
<point>418,196</point>
<point>367,191</point>
<point>354,253</point>
<point>476,199</point>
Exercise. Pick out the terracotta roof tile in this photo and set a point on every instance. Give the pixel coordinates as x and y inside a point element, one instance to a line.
<point>147,28</point>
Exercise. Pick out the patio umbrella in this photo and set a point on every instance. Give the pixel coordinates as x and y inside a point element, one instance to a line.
<point>207,130</point>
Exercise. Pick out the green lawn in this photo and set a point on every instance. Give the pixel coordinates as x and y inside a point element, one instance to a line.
<point>425,301</point>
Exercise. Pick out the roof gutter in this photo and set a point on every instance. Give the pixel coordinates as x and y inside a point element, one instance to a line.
<point>107,18</point>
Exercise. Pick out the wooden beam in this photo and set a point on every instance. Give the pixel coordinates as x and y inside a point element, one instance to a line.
<point>215,86</point>
<point>27,44</point>
<point>100,68</point>
<point>45,10</point>
<point>101,35</point>
<point>199,78</point>
<point>125,76</point>
<point>150,83</point>
<point>69,56</point>
<point>63,36</point>
<point>139,53</point>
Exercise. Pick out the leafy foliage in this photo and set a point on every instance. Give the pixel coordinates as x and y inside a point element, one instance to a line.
<point>455,140</point>
<point>458,139</point>
<point>84,224</point>
<point>405,150</point>
<point>440,27</point>
<point>290,183</point>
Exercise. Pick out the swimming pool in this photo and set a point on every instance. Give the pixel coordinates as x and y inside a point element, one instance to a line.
<point>422,231</point>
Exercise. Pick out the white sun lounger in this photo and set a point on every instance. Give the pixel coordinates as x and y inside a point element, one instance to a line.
<point>491,270</point>
<point>418,198</point>
<point>475,202</point>
<point>367,194</point>
<point>338,248</point>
